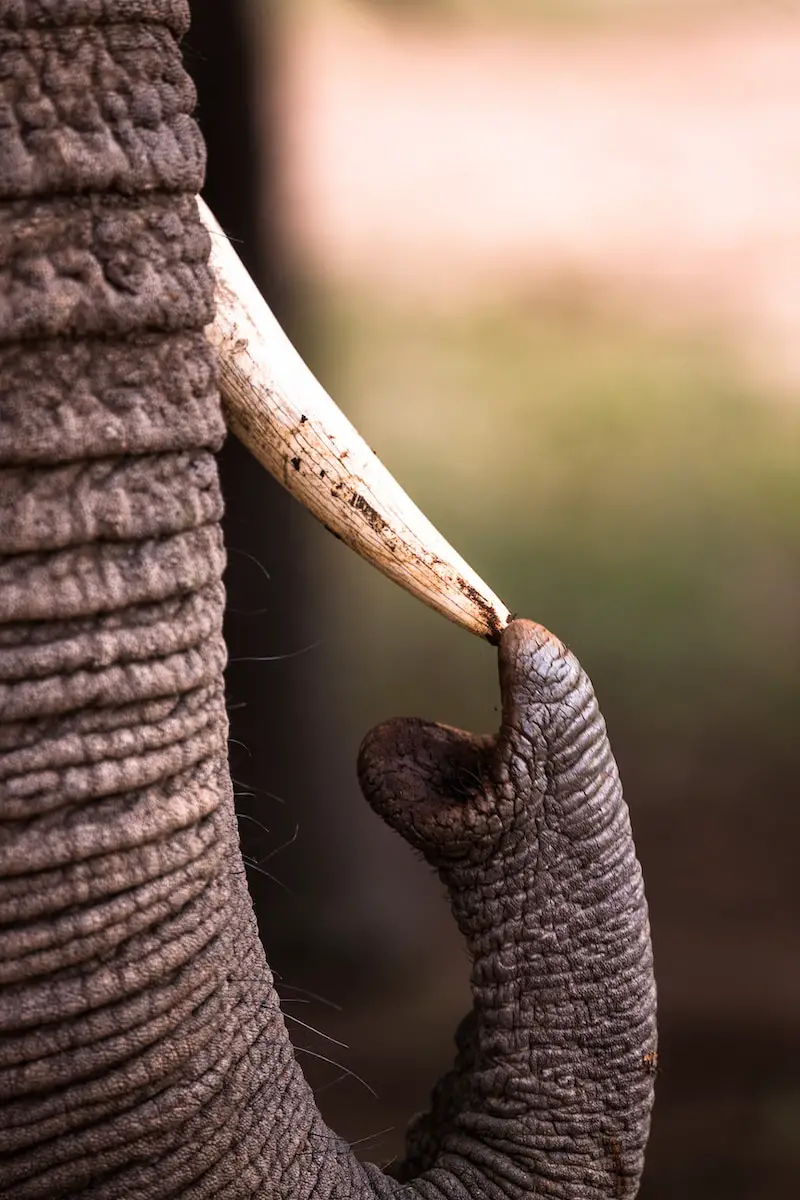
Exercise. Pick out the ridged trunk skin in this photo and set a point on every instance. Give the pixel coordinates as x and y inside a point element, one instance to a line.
<point>143,1052</point>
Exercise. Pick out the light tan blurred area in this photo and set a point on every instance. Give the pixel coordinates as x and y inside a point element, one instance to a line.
<point>551,254</point>
<point>649,165</point>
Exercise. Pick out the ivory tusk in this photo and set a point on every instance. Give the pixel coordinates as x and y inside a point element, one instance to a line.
<point>285,417</point>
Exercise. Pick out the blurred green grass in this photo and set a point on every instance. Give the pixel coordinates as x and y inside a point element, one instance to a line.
<point>630,489</point>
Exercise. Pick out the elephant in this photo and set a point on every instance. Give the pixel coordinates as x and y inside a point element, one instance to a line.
<point>144,1053</point>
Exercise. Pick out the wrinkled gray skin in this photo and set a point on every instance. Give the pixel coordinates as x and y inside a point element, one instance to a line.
<point>143,1053</point>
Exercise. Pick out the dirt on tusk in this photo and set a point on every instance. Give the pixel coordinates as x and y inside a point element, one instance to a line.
<point>287,420</point>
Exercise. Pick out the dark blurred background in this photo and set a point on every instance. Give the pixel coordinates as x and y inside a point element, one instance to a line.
<point>547,256</point>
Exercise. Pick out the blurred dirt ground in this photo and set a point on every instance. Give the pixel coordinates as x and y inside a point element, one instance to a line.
<point>658,165</point>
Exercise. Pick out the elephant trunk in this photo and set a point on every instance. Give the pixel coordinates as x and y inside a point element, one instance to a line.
<point>552,1086</point>
<point>144,1054</point>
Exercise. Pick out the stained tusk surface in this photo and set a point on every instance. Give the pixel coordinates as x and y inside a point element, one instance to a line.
<point>285,417</point>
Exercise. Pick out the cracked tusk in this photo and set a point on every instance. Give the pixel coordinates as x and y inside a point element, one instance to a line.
<point>285,417</point>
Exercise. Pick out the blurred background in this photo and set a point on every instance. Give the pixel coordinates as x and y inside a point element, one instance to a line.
<point>546,255</point>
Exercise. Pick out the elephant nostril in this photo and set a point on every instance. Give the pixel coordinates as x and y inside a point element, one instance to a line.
<point>431,783</point>
<point>463,783</point>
